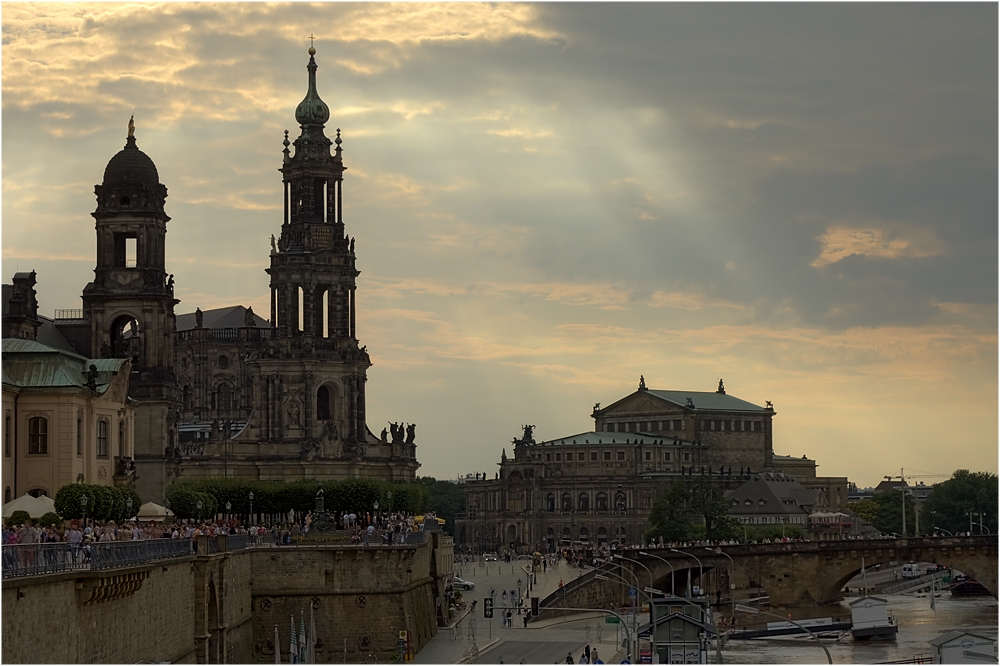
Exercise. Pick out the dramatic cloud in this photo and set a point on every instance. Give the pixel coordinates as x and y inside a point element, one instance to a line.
<point>550,200</point>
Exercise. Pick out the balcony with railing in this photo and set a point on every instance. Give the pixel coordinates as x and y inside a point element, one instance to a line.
<point>69,314</point>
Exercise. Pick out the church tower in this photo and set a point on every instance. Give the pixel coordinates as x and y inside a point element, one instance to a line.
<point>130,303</point>
<point>313,282</point>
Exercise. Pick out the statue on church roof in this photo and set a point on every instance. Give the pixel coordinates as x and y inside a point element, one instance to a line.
<point>131,125</point>
<point>642,383</point>
<point>722,388</point>
<point>199,317</point>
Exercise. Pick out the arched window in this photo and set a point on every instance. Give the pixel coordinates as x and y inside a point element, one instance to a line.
<point>602,502</point>
<point>224,397</point>
<point>187,397</point>
<point>550,502</point>
<point>6,495</point>
<point>602,535</point>
<point>566,534</point>
<point>584,534</point>
<point>6,436</point>
<point>79,436</point>
<point>323,411</point>
<point>102,439</point>
<point>567,502</point>
<point>121,438</point>
<point>583,502</point>
<point>38,435</point>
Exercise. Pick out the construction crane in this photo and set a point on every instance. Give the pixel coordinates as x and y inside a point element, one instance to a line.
<point>902,477</point>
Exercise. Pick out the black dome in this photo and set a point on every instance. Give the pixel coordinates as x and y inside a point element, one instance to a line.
<point>131,166</point>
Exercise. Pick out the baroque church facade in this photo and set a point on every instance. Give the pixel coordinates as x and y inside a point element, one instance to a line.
<point>226,392</point>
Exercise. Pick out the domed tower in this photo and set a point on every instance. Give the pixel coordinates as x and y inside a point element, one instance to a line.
<point>130,303</point>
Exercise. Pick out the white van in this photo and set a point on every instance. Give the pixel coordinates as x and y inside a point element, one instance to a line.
<point>910,570</point>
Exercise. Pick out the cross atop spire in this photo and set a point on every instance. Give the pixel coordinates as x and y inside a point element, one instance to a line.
<point>311,38</point>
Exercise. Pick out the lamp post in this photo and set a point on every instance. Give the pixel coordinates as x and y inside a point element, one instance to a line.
<point>199,506</point>
<point>627,559</point>
<point>753,611</point>
<point>732,602</point>
<point>645,554</point>
<point>699,568</point>
<point>83,505</point>
<point>634,614</point>
<point>251,507</point>
<point>229,507</point>
<point>941,529</point>
<point>128,507</point>
<point>518,591</point>
<point>389,497</point>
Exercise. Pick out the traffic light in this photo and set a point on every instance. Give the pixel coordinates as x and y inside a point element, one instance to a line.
<point>488,607</point>
<point>534,606</point>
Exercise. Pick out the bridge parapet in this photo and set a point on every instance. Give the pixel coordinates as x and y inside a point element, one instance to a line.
<point>809,573</point>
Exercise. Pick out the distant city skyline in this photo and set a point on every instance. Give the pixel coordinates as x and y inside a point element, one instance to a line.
<point>550,200</point>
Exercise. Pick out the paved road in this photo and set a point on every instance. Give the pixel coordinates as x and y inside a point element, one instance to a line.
<point>475,639</point>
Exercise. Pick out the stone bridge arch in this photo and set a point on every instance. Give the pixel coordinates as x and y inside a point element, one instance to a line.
<point>809,573</point>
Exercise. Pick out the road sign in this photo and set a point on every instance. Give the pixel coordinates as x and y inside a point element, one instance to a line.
<point>611,619</point>
<point>633,592</point>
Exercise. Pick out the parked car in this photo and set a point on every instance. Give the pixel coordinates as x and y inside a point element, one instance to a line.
<point>462,584</point>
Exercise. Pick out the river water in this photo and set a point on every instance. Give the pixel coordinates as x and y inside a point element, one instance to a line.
<point>917,625</point>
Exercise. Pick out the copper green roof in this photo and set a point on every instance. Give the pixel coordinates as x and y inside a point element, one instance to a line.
<point>706,400</point>
<point>605,438</point>
<point>29,364</point>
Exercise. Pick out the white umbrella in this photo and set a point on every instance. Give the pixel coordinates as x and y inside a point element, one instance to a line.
<point>47,501</point>
<point>34,507</point>
<point>152,511</point>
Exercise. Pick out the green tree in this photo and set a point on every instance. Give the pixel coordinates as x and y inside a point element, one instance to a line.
<point>19,517</point>
<point>889,515</point>
<point>444,498</point>
<point>50,519</point>
<point>709,502</point>
<point>691,508</point>
<point>670,516</point>
<point>867,509</point>
<point>949,503</point>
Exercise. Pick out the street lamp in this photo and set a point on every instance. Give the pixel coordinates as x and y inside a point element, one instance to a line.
<point>674,550</point>
<point>251,507</point>
<point>645,554</point>
<point>519,591</point>
<point>199,505</point>
<point>635,615</point>
<point>941,529</point>
<point>627,559</point>
<point>128,507</point>
<point>733,570</point>
<point>83,505</point>
<point>753,611</point>
<point>229,506</point>
<point>389,497</point>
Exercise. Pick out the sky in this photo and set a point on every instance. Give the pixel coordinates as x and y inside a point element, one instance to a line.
<point>551,200</point>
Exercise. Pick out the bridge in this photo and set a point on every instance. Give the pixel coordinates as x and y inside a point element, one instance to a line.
<point>809,573</point>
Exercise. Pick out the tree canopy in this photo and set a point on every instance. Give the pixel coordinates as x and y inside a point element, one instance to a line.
<point>689,509</point>
<point>949,504</point>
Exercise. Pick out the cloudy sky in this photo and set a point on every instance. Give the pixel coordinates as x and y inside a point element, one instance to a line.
<point>550,200</point>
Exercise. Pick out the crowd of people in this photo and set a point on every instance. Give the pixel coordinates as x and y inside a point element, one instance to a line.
<point>363,528</point>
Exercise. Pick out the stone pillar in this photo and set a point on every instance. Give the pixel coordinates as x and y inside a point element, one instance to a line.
<point>361,408</point>
<point>353,329</point>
